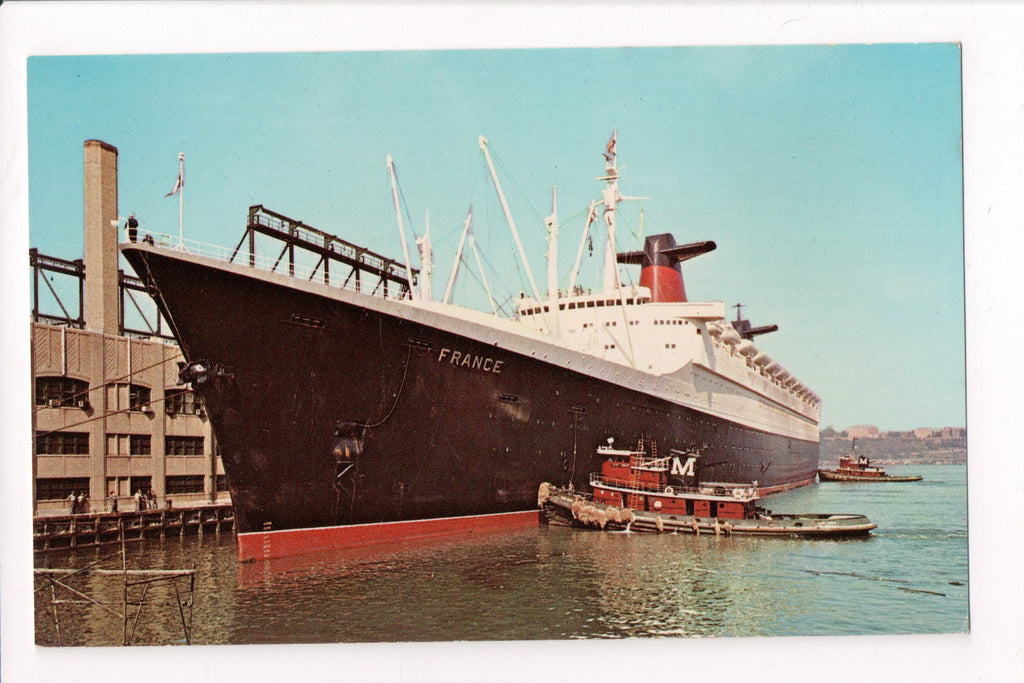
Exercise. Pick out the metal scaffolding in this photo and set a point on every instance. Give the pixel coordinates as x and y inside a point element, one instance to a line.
<point>70,307</point>
<point>180,582</point>
<point>296,235</point>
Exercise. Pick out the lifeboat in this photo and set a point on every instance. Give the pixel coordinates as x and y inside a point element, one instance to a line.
<point>762,358</point>
<point>747,348</point>
<point>731,336</point>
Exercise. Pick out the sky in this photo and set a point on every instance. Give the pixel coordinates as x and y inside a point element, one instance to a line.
<point>830,177</point>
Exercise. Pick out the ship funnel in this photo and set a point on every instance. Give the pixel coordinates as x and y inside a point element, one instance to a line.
<point>660,269</point>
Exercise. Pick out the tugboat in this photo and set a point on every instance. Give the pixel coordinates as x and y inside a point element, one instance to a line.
<point>640,492</point>
<point>858,468</point>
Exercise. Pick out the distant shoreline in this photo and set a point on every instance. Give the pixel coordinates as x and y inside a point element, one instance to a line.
<point>897,450</point>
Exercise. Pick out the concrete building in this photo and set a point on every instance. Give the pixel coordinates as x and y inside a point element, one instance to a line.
<point>863,432</point>
<point>108,416</point>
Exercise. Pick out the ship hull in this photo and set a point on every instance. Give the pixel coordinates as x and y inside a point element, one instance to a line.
<point>832,475</point>
<point>448,426</point>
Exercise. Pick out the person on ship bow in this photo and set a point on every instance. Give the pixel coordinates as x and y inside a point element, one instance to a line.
<point>133,228</point>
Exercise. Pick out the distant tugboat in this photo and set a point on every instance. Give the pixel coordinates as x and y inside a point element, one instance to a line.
<point>641,492</point>
<point>858,468</point>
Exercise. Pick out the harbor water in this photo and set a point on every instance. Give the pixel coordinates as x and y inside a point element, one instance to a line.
<point>909,576</point>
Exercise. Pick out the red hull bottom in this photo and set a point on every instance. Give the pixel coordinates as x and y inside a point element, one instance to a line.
<point>266,545</point>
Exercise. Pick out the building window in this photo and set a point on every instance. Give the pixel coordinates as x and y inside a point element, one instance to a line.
<point>62,392</point>
<point>140,484</point>
<point>60,489</point>
<point>182,402</point>
<point>191,483</point>
<point>129,444</point>
<point>138,397</point>
<point>62,443</point>
<point>121,397</point>
<point>222,483</point>
<point>140,444</point>
<point>183,445</point>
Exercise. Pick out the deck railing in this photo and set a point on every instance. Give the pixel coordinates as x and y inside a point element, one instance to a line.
<point>714,490</point>
<point>267,264</point>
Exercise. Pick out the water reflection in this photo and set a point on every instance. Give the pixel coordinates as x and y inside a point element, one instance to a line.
<point>553,583</point>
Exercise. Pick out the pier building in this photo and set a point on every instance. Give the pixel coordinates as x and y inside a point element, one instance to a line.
<point>108,415</point>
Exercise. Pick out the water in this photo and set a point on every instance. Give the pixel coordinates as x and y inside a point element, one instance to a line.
<point>555,583</point>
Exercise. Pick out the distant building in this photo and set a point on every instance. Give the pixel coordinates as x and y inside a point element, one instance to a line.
<point>108,416</point>
<point>924,433</point>
<point>863,432</point>
<point>953,433</point>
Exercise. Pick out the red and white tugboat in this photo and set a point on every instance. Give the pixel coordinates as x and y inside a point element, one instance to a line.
<point>858,468</point>
<point>641,492</point>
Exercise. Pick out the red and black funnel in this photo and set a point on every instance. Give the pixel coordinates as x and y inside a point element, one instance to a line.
<point>659,261</point>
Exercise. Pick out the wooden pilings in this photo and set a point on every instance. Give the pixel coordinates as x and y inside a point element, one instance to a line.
<point>90,530</point>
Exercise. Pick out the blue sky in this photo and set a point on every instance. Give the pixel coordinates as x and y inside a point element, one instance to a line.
<point>829,176</point>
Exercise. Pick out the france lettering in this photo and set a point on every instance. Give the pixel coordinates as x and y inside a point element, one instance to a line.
<point>471,361</point>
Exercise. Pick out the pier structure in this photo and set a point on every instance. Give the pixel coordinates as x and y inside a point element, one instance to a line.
<point>70,588</point>
<point>64,532</point>
<point>109,418</point>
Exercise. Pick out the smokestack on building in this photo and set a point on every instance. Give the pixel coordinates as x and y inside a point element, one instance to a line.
<point>108,418</point>
<point>101,300</point>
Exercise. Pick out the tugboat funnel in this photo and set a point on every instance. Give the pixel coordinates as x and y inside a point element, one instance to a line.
<point>660,269</point>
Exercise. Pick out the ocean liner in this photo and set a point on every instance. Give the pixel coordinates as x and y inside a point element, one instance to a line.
<point>346,416</point>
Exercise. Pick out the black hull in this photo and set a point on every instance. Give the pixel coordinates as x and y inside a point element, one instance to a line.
<point>444,438</point>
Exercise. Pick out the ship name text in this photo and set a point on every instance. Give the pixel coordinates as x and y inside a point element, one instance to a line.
<point>471,361</point>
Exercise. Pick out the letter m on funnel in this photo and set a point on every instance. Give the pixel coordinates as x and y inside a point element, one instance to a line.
<point>686,469</point>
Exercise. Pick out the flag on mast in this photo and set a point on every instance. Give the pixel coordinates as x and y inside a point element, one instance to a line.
<point>179,189</point>
<point>609,150</point>
<point>179,183</point>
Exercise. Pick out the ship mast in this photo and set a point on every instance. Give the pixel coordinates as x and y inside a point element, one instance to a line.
<point>591,216</point>
<point>508,217</point>
<point>401,228</point>
<point>426,261</point>
<point>458,256</point>
<point>483,277</point>
<point>551,224</point>
<point>467,234</point>
<point>611,198</point>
